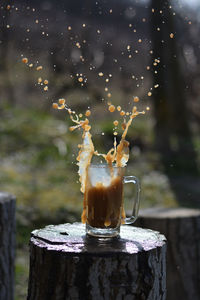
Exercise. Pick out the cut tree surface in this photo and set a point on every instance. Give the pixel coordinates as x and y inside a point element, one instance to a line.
<point>67,264</point>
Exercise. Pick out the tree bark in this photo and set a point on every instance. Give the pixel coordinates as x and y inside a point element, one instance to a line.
<point>7,246</point>
<point>181,226</point>
<point>67,264</point>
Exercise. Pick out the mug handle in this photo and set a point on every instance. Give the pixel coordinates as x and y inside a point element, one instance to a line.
<point>134,180</point>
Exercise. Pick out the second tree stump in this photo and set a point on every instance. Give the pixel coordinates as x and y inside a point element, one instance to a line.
<point>181,226</point>
<point>7,245</point>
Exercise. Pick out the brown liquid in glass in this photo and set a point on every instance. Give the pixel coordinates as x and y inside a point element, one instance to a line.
<point>105,204</point>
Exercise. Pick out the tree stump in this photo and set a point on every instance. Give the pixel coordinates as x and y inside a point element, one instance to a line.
<point>7,245</point>
<point>181,226</point>
<point>66,264</point>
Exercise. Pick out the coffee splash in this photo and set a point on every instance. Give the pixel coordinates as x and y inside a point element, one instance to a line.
<point>118,155</point>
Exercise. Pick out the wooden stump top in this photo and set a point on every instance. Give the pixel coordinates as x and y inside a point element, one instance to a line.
<point>71,238</point>
<point>6,197</point>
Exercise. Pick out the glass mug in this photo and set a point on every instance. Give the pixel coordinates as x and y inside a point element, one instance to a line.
<point>104,200</point>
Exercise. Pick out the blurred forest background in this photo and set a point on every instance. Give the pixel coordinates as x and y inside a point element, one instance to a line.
<point>120,49</point>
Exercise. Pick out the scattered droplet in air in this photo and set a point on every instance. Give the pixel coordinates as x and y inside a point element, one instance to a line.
<point>136,99</point>
<point>55,105</point>
<point>39,68</point>
<point>25,60</point>
<point>134,109</point>
<point>111,108</point>
<point>123,126</point>
<point>87,113</point>
<point>61,101</point>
